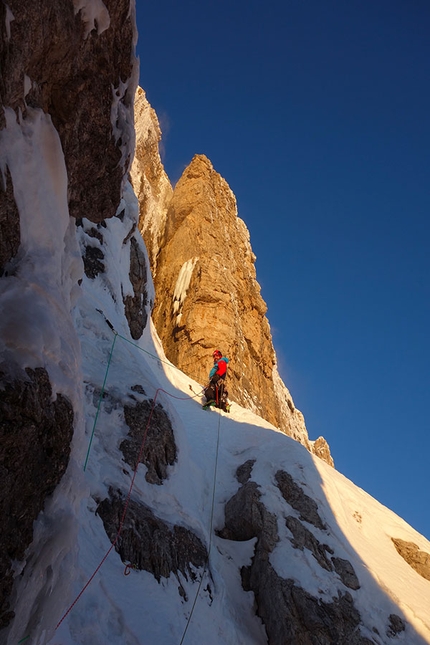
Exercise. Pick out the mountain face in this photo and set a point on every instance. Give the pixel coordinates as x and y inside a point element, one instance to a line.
<point>129,515</point>
<point>207,294</point>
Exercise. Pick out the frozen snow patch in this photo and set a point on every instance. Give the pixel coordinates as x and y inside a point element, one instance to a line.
<point>8,19</point>
<point>94,15</point>
<point>181,287</point>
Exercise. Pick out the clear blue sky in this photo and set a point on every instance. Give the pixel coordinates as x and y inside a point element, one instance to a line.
<point>318,116</point>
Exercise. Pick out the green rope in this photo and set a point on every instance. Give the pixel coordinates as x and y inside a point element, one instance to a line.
<point>100,400</point>
<point>23,639</point>
<point>154,355</point>
<point>210,534</point>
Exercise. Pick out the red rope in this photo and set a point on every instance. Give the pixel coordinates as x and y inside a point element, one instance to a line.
<point>145,434</point>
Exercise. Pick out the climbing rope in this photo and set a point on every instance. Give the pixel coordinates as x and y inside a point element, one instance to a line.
<point>122,520</point>
<point>116,335</point>
<point>100,400</point>
<point>210,533</point>
<point>145,351</point>
<point>121,523</point>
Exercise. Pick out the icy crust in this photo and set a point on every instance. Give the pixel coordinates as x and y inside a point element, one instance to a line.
<point>94,15</point>
<point>122,119</point>
<point>40,286</point>
<point>181,287</point>
<point>8,19</point>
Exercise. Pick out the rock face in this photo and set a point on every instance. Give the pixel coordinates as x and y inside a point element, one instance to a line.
<point>35,435</point>
<point>147,543</point>
<point>151,184</point>
<point>145,420</point>
<point>417,559</point>
<point>67,85</point>
<point>207,294</point>
<point>75,65</point>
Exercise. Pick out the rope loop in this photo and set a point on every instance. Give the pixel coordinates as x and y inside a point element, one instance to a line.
<point>129,567</point>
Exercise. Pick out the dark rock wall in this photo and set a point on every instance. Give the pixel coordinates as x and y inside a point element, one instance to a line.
<point>150,425</point>
<point>147,543</point>
<point>83,74</point>
<point>72,66</point>
<point>35,436</point>
<point>9,224</point>
<point>135,305</point>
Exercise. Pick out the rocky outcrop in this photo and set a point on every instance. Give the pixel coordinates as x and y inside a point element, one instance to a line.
<point>321,449</point>
<point>147,543</point>
<point>10,233</point>
<point>92,254</point>
<point>207,294</point>
<point>150,424</point>
<point>297,499</point>
<point>135,306</point>
<point>396,626</point>
<point>35,435</point>
<point>289,612</point>
<point>412,554</point>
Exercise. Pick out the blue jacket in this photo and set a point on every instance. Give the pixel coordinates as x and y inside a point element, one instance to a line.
<point>219,369</point>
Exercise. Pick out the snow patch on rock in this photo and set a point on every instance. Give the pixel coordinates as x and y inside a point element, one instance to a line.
<point>94,15</point>
<point>181,287</point>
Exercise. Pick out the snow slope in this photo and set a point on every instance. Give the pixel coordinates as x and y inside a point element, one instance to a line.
<point>69,592</point>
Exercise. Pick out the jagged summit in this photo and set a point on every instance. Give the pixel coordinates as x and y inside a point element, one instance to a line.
<point>207,293</point>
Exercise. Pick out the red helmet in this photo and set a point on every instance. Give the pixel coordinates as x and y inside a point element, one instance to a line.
<point>217,354</point>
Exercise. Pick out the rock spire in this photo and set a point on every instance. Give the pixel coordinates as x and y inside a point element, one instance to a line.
<point>207,294</point>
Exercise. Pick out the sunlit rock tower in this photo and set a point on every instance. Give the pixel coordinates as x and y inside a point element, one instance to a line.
<point>207,294</point>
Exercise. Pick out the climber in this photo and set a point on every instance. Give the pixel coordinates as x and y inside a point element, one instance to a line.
<point>215,393</point>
